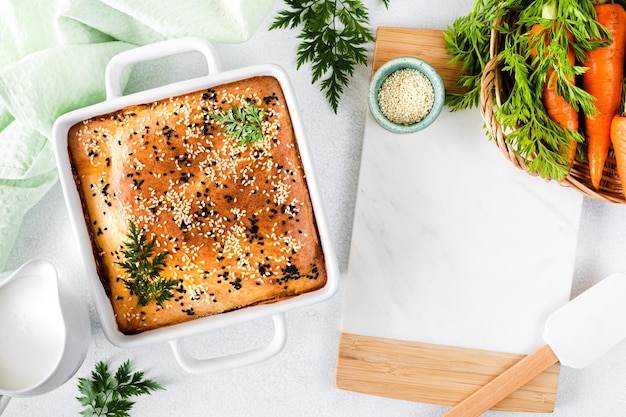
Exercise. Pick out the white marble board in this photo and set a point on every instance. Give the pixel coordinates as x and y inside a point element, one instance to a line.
<point>452,245</point>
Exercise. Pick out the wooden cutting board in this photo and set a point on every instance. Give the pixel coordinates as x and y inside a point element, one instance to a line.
<point>427,44</point>
<point>456,257</point>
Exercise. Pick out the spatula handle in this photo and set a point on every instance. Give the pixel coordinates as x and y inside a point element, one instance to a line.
<point>504,384</point>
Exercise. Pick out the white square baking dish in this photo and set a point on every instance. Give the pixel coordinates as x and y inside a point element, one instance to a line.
<point>173,333</point>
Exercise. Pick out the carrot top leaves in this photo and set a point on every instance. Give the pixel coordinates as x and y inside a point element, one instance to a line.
<point>532,133</point>
<point>333,38</point>
<point>243,124</point>
<point>467,40</point>
<point>110,395</point>
<point>143,268</point>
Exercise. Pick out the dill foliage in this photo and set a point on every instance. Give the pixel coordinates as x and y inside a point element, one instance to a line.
<point>144,269</point>
<point>109,395</point>
<point>333,38</point>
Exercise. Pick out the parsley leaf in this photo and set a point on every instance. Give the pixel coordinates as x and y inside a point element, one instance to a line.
<point>108,395</point>
<point>334,37</point>
<point>144,274</point>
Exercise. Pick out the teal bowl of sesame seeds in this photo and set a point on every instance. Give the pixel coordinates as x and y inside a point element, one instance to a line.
<point>406,95</point>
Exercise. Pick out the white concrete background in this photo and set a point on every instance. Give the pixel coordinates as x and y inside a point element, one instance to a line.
<point>300,380</point>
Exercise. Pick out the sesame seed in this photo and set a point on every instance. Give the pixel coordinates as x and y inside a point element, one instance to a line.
<point>406,96</point>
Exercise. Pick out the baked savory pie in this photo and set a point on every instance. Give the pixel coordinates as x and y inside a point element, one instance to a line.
<point>197,204</point>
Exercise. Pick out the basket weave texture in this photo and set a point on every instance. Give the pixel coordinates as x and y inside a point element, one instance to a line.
<point>495,87</point>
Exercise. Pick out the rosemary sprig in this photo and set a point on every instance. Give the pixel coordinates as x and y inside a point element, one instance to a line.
<point>144,274</point>
<point>243,124</point>
<point>334,35</point>
<point>107,395</point>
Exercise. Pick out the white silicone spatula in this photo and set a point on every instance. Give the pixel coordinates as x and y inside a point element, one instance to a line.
<point>576,335</point>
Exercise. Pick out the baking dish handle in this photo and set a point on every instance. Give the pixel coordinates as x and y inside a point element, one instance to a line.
<point>236,360</point>
<point>119,62</point>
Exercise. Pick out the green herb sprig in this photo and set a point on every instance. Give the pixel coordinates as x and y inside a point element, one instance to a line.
<point>531,132</point>
<point>468,41</point>
<point>243,124</point>
<point>144,269</point>
<point>109,395</point>
<point>334,35</point>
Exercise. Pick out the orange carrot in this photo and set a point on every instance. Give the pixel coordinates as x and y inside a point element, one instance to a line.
<point>558,109</point>
<point>603,80</point>
<point>618,139</point>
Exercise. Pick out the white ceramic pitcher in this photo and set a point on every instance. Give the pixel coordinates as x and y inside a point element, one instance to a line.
<point>44,331</point>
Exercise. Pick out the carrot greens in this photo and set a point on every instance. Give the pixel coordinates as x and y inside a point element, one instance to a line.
<point>527,58</point>
<point>243,124</point>
<point>467,40</point>
<point>109,395</point>
<point>334,35</point>
<point>143,268</point>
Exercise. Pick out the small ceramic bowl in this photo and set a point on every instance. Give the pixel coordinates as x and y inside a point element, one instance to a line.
<point>389,68</point>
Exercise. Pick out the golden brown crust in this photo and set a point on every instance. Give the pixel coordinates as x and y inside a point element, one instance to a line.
<point>236,221</point>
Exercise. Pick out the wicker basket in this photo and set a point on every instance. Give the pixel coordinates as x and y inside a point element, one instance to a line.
<point>495,87</point>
